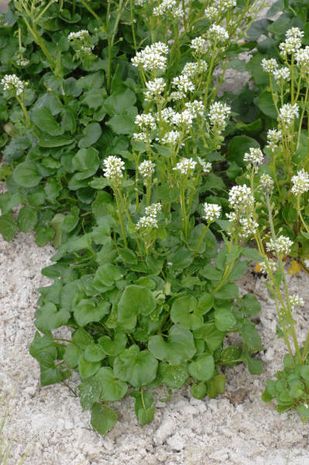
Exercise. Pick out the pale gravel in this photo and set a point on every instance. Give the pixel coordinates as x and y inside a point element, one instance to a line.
<point>235,429</point>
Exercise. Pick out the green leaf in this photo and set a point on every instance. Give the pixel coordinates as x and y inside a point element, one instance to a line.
<point>87,369</point>
<point>224,319</point>
<point>45,121</point>
<point>178,348</point>
<point>8,226</point>
<point>103,419</point>
<point>199,391</point>
<point>91,135</point>
<point>112,389</point>
<point>124,123</point>
<point>216,386</point>
<point>94,353</point>
<point>49,317</point>
<point>115,346</point>
<point>138,368</point>
<point>211,335</point>
<point>88,311</point>
<point>227,292</point>
<point>203,368</point>
<point>266,104</point>
<point>144,407</point>
<point>304,372</point>
<point>72,355</point>
<point>26,174</point>
<point>27,219</point>
<point>53,142</point>
<point>86,161</point>
<point>238,146</point>
<point>106,275</point>
<point>250,336</point>
<point>119,102</point>
<point>182,312</point>
<point>173,376</point>
<point>135,300</point>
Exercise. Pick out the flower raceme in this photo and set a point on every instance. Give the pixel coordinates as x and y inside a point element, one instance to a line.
<point>13,85</point>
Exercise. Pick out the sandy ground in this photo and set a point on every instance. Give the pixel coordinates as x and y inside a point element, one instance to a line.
<point>236,429</point>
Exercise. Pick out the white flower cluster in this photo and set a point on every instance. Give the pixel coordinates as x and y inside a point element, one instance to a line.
<point>296,301</point>
<point>218,115</point>
<point>183,84</point>
<point>81,40</point>
<point>205,165</point>
<point>146,122</point>
<point>217,34</point>
<point>282,74</point>
<point>266,184</point>
<point>269,65</point>
<point>274,138</point>
<point>211,13</point>
<point>150,219</point>
<point>155,89</point>
<point>171,138</point>
<point>302,59</point>
<point>81,35</point>
<point>192,68</point>
<point>113,168</point>
<point>287,114</point>
<point>200,45</point>
<point>146,169</point>
<point>13,85</point>
<point>168,6</point>
<point>292,42</point>
<point>281,245</point>
<point>212,212</point>
<point>196,108</point>
<point>269,265</point>
<point>185,166</point>
<point>152,58</point>
<point>241,201</point>
<point>241,198</point>
<point>254,158</point>
<point>300,183</point>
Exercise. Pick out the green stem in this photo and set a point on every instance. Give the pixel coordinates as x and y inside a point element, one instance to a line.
<point>24,110</point>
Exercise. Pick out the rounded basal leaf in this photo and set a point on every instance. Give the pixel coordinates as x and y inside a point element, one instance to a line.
<point>113,347</point>
<point>27,219</point>
<point>216,386</point>
<point>87,369</point>
<point>88,311</point>
<point>106,275</point>
<point>94,353</point>
<point>177,349</point>
<point>26,174</point>
<point>103,419</point>
<point>203,368</point>
<point>49,317</point>
<point>224,319</point>
<point>173,376</point>
<point>135,300</point>
<point>199,391</point>
<point>182,312</point>
<point>112,389</point>
<point>91,135</point>
<point>86,162</point>
<point>72,355</point>
<point>138,368</point>
<point>144,407</point>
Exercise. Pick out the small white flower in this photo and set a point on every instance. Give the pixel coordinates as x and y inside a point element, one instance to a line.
<point>192,69</point>
<point>218,115</point>
<point>168,6</point>
<point>147,222</point>
<point>266,184</point>
<point>281,245</point>
<point>13,85</point>
<point>296,301</point>
<point>294,32</point>
<point>152,58</point>
<point>196,108</point>
<point>248,227</point>
<point>141,137</point>
<point>269,65</point>
<point>274,138</point>
<point>177,95</point>
<point>212,211</point>
<point>155,89</point>
<point>254,157</point>
<point>183,84</point>
<point>167,115</point>
<point>185,166</point>
<point>292,43</point>
<point>269,265</point>
<point>153,209</point>
<point>287,114</point>
<point>146,169</point>
<point>113,168</point>
<point>302,59</point>
<point>171,138</point>
<point>217,34</point>
<point>81,35</point>
<point>145,121</point>
<point>211,13</point>
<point>282,74</point>
<point>199,45</point>
<point>300,183</point>
<point>183,119</point>
<point>241,198</point>
<point>206,166</point>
